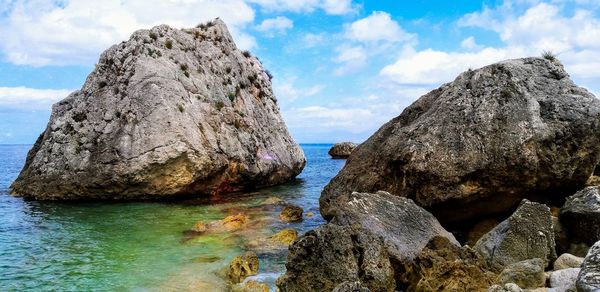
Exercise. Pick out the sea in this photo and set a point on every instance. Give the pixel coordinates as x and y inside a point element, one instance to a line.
<point>143,245</point>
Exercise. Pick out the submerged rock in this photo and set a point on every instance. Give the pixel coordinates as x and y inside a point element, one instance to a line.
<point>342,150</point>
<point>291,213</point>
<point>242,266</point>
<point>527,274</point>
<point>369,234</point>
<point>250,286</point>
<point>526,234</point>
<point>168,112</point>
<point>284,237</point>
<point>580,215</point>
<point>589,276</point>
<point>481,143</point>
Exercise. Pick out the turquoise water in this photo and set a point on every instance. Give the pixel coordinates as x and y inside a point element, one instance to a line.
<point>142,246</point>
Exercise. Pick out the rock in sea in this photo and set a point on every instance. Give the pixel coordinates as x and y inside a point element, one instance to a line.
<point>481,143</point>
<point>168,112</point>
<point>342,150</point>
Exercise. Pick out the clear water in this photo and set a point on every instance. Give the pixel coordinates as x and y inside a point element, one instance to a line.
<point>141,246</point>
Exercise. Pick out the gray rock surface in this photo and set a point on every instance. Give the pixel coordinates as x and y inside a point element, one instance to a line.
<point>526,234</point>
<point>564,279</point>
<point>168,112</point>
<point>589,276</point>
<point>580,215</point>
<point>342,150</point>
<point>527,274</point>
<point>481,143</point>
<point>567,261</point>
<point>509,287</point>
<point>368,234</point>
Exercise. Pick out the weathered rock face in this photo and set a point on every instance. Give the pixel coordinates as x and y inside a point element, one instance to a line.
<point>526,234</point>
<point>580,215</point>
<point>167,112</point>
<point>481,143</point>
<point>589,276</point>
<point>369,235</point>
<point>342,150</point>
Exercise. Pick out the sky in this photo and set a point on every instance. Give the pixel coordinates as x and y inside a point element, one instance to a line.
<point>341,68</point>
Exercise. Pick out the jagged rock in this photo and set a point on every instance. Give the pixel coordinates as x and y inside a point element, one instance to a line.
<point>284,237</point>
<point>342,150</point>
<point>509,287</point>
<point>567,261</point>
<point>526,234</point>
<point>168,112</point>
<point>527,274</point>
<point>564,279</point>
<point>580,215</point>
<point>481,143</point>
<point>199,227</point>
<point>330,255</point>
<point>443,266</point>
<point>242,267</point>
<point>368,234</point>
<point>291,213</point>
<point>351,287</point>
<point>589,276</point>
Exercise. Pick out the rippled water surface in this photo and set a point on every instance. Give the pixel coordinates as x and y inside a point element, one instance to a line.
<point>142,246</point>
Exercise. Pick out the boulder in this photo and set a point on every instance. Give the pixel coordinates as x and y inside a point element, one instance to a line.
<point>564,279</point>
<point>342,150</point>
<point>478,145</point>
<point>509,287</point>
<point>443,266</point>
<point>284,237</point>
<point>242,266</point>
<point>291,213</point>
<point>580,215</point>
<point>369,234</point>
<point>526,234</point>
<point>589,276</point>
<point>527,274</point>
<point>169,112</point>
<point>567,261</point>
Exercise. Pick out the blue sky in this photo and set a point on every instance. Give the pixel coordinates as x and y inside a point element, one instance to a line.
<point>342,68</point>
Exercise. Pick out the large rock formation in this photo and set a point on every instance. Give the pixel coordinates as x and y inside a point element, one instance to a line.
<point>341,150</point>
<point>580,215</point>
<point>481,143</point>
<point>370,234</point>
<point>167,112</point>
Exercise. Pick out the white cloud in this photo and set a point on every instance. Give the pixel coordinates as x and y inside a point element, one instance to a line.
<point>30,98</point>
<point>42,32</point>
<point>311,40</point>
<point>332,7</point>
<point>351,58</point>
<point>378,26</point>
<point>275,25</point>
<point>287,91</point>
<point>469,43</point>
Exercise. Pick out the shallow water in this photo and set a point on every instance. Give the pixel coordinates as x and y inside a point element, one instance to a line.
<point>141,246</point>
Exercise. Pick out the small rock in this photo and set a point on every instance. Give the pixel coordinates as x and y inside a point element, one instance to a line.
<point>342,150</point>
<point>230,223</point>
<point>564,279</point>
<point>272,201</point>
<point>310,214</point>
<point>291,213</point>
<point>566,261</point>
<point>351,287</point>
<point>251,286</point>
<point>285,237</point>
<point>509,287</point>
<point>526,234</point>
<point>526,274</point>
<point>242,267</point>
<point>199,227</point>
<point>589,276</point>
<point>580,215</point>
